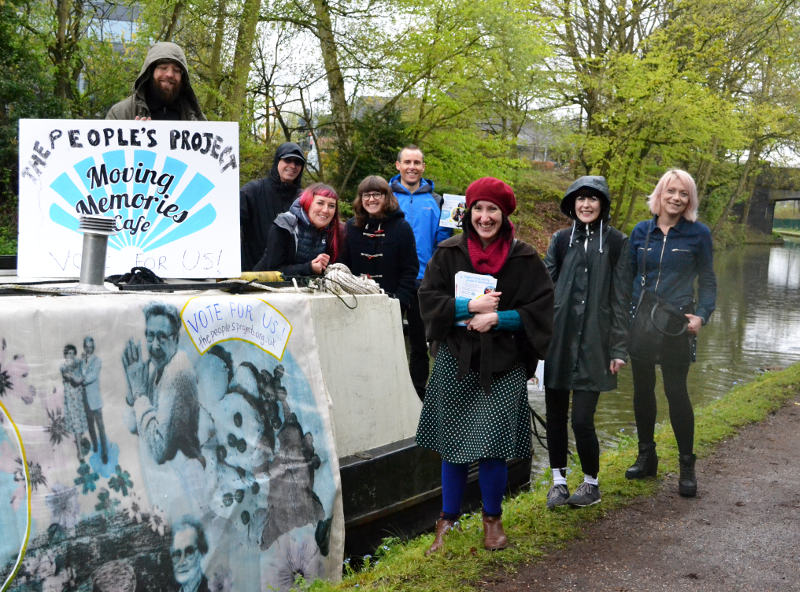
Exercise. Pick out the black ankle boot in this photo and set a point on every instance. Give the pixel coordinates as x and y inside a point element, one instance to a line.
<point>687,483</point>
<point>646,464</point>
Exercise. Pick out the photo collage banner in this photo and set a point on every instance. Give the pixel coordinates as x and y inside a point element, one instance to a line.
<point>165,442</point>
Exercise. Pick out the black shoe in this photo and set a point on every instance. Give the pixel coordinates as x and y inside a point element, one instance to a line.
<point>646,464</point>
<point>586,495</point>
<point>557,496</point>
<point>687,482</point>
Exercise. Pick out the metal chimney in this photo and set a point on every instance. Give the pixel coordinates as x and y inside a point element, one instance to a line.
<point>96,230</point>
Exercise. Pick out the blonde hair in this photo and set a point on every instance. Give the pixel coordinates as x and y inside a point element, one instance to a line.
<point>654,201</point>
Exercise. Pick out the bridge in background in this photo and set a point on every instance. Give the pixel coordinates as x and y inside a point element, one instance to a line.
<point>772,186</point>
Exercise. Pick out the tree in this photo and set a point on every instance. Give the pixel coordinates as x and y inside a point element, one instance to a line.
<point>25,92</point>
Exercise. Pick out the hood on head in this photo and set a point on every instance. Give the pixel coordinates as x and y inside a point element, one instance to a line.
<point>599,187</point>
<point>284,150</point>
<point>300,213</point>
<point>163,51</point>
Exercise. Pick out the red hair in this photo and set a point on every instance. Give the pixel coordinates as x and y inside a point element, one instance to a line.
<point>335,228</point>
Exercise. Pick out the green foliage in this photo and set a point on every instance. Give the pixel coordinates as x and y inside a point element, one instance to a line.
<point>25,92</point>
<point>729,234</point>
<point>698,84</point>
<point>255,157</point>
<point>109,74</point>
<point>8,237</point>
<point>454,157</point>
<point>377,136</point>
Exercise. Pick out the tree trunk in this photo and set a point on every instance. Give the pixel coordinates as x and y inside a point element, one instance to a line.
<point>752,159</point>
<point>61,49</point>
<point>339,109</point>
<point>645,150</point>
<point>211,103</point>
<point>705,168</point>
<point>171,25</point>
<point>234,104</point>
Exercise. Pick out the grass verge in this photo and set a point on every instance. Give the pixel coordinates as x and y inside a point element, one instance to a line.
<point>532,529</point>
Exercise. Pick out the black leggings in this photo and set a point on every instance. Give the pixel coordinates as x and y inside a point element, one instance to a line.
<point>584,404</point>
<point>418,362</point>
<point>681,414</point>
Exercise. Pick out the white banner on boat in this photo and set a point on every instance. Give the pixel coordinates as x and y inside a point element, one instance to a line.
<point>171,187</point>
<point>130,459</point>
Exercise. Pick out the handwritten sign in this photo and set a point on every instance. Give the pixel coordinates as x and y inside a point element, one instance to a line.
<point>211,320</point>
<point>171,187</point>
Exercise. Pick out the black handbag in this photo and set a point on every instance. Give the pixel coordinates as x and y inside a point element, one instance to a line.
<point>658,331</point>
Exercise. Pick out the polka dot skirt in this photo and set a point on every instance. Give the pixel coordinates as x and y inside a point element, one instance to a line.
<point>464,424</point>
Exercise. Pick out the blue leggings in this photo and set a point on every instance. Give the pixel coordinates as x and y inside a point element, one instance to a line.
<point>492,478</point>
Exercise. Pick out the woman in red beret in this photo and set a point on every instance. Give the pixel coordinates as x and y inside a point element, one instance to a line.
<point>485,348</point>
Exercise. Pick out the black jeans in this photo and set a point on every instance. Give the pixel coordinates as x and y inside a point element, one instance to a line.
<point>418,364</point>
<point>681,414</point>
<point>584,404</point>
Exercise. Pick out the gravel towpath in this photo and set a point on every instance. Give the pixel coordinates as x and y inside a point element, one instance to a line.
<point>741,532</point>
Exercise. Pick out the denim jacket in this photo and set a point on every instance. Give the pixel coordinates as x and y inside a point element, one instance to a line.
<point>673,262</point>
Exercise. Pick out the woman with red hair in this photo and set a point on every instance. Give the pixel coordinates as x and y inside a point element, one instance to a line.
<point>304,240</point>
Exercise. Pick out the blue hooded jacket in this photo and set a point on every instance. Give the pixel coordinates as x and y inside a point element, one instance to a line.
<point>422,210</point>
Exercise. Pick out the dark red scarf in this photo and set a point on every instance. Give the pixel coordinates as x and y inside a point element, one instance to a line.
<point>490,260</point>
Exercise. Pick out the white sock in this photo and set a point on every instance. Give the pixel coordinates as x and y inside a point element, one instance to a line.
<point>559,476</point>
<point>591,480</point>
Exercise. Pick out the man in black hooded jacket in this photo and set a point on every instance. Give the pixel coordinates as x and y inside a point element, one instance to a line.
<point>260,201</point>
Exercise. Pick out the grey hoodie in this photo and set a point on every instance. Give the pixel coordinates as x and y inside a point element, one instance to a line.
<point>137,104</point>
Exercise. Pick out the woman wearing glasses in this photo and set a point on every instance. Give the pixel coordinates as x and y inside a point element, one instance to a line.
<point>380,243</point>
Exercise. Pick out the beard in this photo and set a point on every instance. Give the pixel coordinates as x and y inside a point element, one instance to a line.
<point>166,93</point>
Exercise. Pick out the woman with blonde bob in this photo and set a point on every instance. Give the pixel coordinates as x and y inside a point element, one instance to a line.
<point>380,243</point>
<point>671,260</point>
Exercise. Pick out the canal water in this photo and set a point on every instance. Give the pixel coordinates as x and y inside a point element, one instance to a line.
<point>755,328</point>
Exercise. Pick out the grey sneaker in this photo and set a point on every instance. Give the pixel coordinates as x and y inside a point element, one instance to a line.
<point>586,495</point>
<point>557,496</point>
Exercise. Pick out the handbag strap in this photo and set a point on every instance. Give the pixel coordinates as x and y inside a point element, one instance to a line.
<point>641,265</point>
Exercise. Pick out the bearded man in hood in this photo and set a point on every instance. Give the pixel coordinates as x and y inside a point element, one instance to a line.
<point>162,90</point>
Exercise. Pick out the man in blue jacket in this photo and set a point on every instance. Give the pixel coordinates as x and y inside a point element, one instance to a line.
<point>422,208</point>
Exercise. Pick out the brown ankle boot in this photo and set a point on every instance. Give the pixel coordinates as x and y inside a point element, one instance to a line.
<point>443,526</point>
<point>494,537</point>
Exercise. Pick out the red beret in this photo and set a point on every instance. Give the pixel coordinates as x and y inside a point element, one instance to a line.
<point>493,190</point>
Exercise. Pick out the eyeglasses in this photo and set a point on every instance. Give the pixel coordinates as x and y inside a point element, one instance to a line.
<point>373,195</point>
<point>295,161</point>
<point>179,554</point>
<point>162,337</point>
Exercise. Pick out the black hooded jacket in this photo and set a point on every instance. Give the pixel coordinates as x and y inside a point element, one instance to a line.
<point>260,201</point>
<point>592,292</point>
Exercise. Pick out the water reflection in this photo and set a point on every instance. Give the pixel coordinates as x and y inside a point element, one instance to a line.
<point>756,327</point>
<point>784,268</point>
